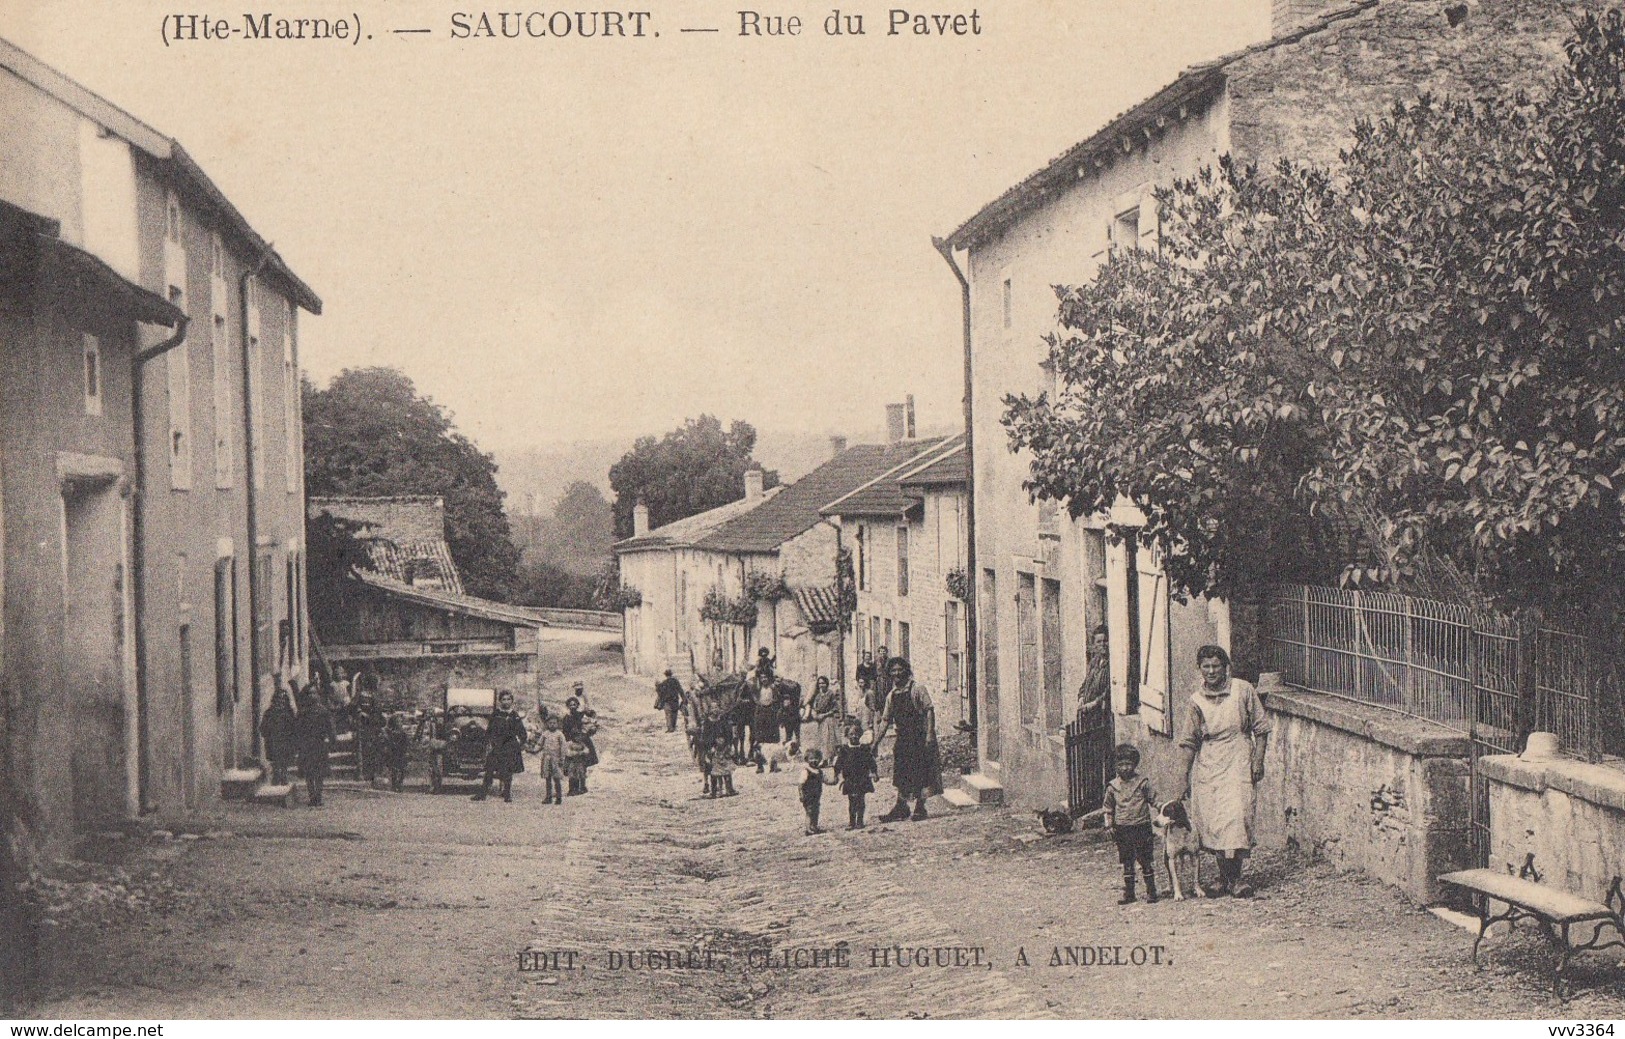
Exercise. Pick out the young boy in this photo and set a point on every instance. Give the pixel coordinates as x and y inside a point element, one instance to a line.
<point>855,767</point>
<point>812,788</point>
<point>552,761</point>
<point>1128,817</point>
<point>575,766</point>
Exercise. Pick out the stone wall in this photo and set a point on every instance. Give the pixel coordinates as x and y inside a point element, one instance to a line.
<point>418,681</point>
<point>1568,814</point>
<point>1366,789</point>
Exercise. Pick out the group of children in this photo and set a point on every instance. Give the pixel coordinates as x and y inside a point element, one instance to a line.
<point>853,767</point>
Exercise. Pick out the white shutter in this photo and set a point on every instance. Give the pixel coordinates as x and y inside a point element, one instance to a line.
<point>1155,648</point>
<point>1117,623</point>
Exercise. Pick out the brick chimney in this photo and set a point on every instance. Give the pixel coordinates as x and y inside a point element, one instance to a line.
<point>908,417</point>
<point>837,444</point>
<point>896,422</point>
<point>1286,15</point>
<point>640,520</point>
<point>753,484</point>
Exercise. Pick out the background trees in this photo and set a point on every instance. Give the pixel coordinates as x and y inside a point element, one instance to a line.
<point>1426,341</point>
<point>369,433</point>
<point>696,467</point>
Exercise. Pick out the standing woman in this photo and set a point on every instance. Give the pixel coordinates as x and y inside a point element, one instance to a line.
<point>824,712</point>
<point>914,754</point>
<point>278,729</point>
<point>1226,731</point>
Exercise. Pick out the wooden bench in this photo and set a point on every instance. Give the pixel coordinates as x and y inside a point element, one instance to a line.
<point>1556,911</point>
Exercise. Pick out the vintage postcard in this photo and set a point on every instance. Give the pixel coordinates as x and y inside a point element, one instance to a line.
<point>824,511</point>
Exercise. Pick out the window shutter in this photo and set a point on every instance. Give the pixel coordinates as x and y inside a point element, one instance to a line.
<point>1117,623</point>
<point>1154,647</point>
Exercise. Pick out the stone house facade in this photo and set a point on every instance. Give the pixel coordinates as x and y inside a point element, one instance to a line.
<point>200,562</point>
<point>906,531</point>
<point>1044,580</point>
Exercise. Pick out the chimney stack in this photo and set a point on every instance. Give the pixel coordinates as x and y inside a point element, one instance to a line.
<point>896,422</point>
<point>837,444</point>
<point>640,520</point>
<point>908,417</point>
<point>753,484</point>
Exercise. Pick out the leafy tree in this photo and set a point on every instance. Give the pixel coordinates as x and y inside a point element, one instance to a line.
<point>370,434</point>
<point>691,469</point>
<point>1427,339</point>
<point>544,584</point>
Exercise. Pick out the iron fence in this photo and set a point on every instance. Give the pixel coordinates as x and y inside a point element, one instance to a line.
<point>1491,677</point>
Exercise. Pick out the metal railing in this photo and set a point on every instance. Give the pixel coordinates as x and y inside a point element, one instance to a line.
<point>1491,677</point>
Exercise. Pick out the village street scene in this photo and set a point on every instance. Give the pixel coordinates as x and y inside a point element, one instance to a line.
<point>780,582</point>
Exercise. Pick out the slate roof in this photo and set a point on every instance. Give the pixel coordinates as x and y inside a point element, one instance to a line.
<point>685,532</point>
<point>415,562</point>
<point>1197,85</point>
<point>797,508</point>
<point>884,495</point>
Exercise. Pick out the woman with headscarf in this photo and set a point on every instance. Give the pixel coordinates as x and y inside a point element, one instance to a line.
<point>1226,732</point>
<point>824,712</point>
<point>914,755</point>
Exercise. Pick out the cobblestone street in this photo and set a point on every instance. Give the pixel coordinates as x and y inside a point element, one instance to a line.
<point>413,905</point>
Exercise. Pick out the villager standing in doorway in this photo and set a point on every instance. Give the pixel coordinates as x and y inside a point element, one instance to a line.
<point>1226,731</point>
<point>914,756</point>
<point>314,728</point>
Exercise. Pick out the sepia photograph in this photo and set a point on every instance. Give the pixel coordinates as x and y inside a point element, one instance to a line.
<point>1090,510</point>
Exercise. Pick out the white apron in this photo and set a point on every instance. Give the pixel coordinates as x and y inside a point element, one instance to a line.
<point>1222,777</point>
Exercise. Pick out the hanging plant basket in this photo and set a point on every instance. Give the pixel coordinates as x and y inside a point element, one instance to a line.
<point>958,584</point>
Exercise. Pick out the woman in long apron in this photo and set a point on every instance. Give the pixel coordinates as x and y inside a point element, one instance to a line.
<point>1224,737</point>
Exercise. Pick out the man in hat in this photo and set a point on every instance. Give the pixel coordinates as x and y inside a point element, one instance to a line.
<point>914,755</point>
<point>669,698</point>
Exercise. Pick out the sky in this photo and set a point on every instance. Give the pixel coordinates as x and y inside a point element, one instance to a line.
<point>562,239</point>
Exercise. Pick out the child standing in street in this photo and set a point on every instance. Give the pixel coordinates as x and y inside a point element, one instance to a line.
<point>813,778</point>
<point>722,768</point>
<point>855,767</point>
<point>552,761</point>
<point>575,766</point>
<point>397,745</point>
<point>1128,818</point>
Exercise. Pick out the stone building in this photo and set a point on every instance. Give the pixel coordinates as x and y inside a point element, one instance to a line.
<point>777,533</point>
<point>906,531</point>
<point>409,631</point>
<point>1043,580</point>
<point>167,596</point>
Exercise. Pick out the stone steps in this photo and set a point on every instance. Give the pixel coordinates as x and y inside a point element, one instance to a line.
<point>984,789</point>
<point>280,794</point>
<point>237,784</point>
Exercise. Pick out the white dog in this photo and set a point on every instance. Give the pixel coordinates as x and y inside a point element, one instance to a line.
<point>772,755</point>
<point>1173,824</point>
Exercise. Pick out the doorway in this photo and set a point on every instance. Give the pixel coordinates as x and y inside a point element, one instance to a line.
<point>93,642</point>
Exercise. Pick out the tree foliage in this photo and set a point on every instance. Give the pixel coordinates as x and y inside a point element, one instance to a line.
<point>576,538</point>
<point>688,471</point>
<point>1428,337</point>
<point>370,434</point>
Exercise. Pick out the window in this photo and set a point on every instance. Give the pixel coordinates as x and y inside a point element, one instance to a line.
<point>93,375</point>
<point>225,634</point>
<point>293,459</point>
<point>889,644</point>
<point>178,368</point>
<point>1028,676</point>
<point>1125,230</point>
<point>874,637</point>
<point>863,558</point>
<point>860,628</point>
<point>220,345</point>
<point>902,641</point>
<point>1007,303</point>
<point>902,560</point>
<point>1050,612</point>
<point>172,218</point>
<point>217,256</point>
<point>953,675</point>
<point>256,417</point>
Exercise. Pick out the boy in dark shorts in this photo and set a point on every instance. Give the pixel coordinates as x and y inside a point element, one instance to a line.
<point>1128,817</point>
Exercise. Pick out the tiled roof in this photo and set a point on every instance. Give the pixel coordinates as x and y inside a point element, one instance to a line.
<point>796,508</point>
<point>821,607</point>
<point>690,529</point>
<point>948,467</point>
<point>884,495</point>
<point>423,563</point>
<point>454,601</point>
<point>1195,86</point>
